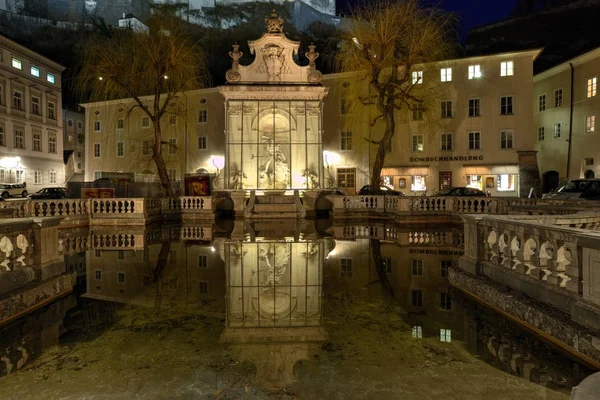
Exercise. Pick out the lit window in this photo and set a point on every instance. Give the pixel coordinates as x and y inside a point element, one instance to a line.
<point>474,140</point>
<point>51,144</point>
<point>506,105</point>
<point>590,123</point>
<point>506,182</point>
<point>96,150</point>
<point>417,332</point>
<point>172,145</point>
<point>474,71</point>
<point>20,175</point>
<point>444,266</point>
<point>121,277</point>
<point>417,77</point>
<point>145,122</point>
<point>445,301</point>
<point>53,176</point>
<point>506,139</point>
<point>591,87</point>
<point>202,261</point>
<point>417,143</point>
<point>474,181</point>
<point>417,267</point>
<point>16,63</point>
<point>50,78</point>
<point>541,133</point>
<point>346,141</point>
<point>446,74</point>
<point>97,126</point>
<point>120,149</point>
<point>557,130</point>
<point>37,177</point>
<point>35,71</point>
<point>445,335</point>
<point>507,68</point>
<point>446,109</point>
<point>417,298</point>
<point>2,140</point>
<point>51,110</point>
<point>558,97</point>
<point>147,147</point>
<point>37,141</point>
<point>346,267</point>
<point>97,175</point>
<point>202,116</point>
<point>542,102</point>
<point>474,107</point>
<point>120,123</point>
<point>418,184</point>
<point>202,141</point>
<point>446,141</point>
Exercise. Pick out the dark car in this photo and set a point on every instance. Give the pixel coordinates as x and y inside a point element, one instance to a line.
<point>462,191</point>
<point>49,193</point>
<point>383,190</point>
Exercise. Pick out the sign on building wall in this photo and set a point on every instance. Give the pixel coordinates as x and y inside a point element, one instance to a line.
<point>197,185</point>
<point>97,193</point>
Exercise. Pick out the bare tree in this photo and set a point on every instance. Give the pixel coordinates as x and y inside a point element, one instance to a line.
<point>152,68</point>
<point>385,43</point>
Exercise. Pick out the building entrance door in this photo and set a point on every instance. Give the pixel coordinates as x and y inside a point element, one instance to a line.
<point>445,179</point>
<point>346,179</point>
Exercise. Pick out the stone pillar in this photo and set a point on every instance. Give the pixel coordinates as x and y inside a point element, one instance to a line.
<point>529,174</point>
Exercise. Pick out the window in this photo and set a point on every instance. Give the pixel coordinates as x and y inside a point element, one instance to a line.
<point>35,71</point>
<point>51,110</point>
<point>474,71</point>
<point>2,175</point>
<point>417,114</point>
<point>97,175</point>
<point>79,154</point>
<point>145,122</point>
<point>1,95</point>
<point>97,126</point>
<point>446,141</point>
<point>346,141</point>
<point>417,143</point>
<point>506,105</point>
<point>418,183</point>
<point>17,100</point>
<point>558,98</point>
<point>70,122</point>
<point>474,107</point>
<point>70,138</point>
<point>417,267</point>
<point>541,133</point>
<point>446,109</point>
<point>446,74</point>
<point>445,301</point>
<point>417,332</point>
<point>556,130</point>
<point>2,138</point>
<point>79,165</point>
<point>172,174</point>
<point>588,161</point>
<point>20,175</point>
<point>79,125</point>
<point>202,116</point>
<point>98,275</point>
<point>35,105</point>
<point>506,139</point>
<point>121,276</point>
<point>445,335</point>
<point>50,78</point>
<point>120,149</point>
<point>474,140</point>
<point>591,87</point>
<point>19,138</point>
<point>202,261</point>
<point>474,181</point>
<point>147,147</point>
<point>345,106</point>
<point>16,63</point>
<point>346,267</point>
<point>444,265</point>
<point>506,182</point>
<point>417,298</point>
<point>590,123</point>
<point>172,119</point>
<point>120,123</point>
<point>387,264</point>
<point>52,175</point>
<point>96,150</point>
<point>172,145</point>
<point>121,255</point>
<point>203,285</point>
<point>507,68</point>
<point>37,177</point>
<point>202,142</point>
<point>417,77</point>
<point>542,102</point>
<point>37,141</point>
<point>51,143</point>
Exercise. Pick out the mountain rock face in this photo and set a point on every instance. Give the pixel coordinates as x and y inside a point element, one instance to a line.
<point>565,29</point>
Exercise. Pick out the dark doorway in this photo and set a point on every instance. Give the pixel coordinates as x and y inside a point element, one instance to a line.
<point>445,179</point>
<point>589,174</point>
<point>549,181</point>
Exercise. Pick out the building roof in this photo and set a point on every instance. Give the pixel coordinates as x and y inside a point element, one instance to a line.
<point>30,54</point>
<point>581,59</point>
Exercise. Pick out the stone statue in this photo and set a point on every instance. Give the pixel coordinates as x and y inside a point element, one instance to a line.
<point>282,258</point>
<point>274,23</point>
<point>238,179</point>
<point>275,173</point>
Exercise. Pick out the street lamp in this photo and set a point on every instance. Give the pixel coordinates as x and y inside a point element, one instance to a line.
<point>325,155</point>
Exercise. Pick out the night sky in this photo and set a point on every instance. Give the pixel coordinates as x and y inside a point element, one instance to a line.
<point>471,12</point>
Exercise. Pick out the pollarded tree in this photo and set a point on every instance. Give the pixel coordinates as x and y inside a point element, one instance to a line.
<point>152,68</point>
<point>391,45</point>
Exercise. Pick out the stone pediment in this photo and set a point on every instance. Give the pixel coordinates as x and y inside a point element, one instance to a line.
<point>274,62</point>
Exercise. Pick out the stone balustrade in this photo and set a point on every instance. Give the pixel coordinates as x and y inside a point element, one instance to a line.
<point>450,237</point>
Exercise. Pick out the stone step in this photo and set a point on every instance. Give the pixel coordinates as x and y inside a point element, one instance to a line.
<point>274,208</point>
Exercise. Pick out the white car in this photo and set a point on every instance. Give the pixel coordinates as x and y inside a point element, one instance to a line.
<point>13,189</point>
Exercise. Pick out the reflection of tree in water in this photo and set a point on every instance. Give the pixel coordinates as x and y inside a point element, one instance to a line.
<point>380,267</point>
<point>158,271</point>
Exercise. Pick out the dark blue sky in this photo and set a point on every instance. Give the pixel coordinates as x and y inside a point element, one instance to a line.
<point>471,12</point>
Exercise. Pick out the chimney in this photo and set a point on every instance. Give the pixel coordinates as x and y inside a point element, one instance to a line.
<point>123,15</point>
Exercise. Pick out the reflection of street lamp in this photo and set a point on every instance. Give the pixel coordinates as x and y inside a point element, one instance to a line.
<point>325,155</point>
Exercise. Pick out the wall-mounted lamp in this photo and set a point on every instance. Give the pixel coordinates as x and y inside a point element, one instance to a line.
<point>325,156</point>
<point>218,162</point>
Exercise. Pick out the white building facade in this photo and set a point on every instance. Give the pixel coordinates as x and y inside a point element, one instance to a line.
<point>31,137</point>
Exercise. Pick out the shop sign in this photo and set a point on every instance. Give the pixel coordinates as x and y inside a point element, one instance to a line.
<point>446,158</point>
<point>97,193</point>
<point>197,185</point>
<point>437,252</point>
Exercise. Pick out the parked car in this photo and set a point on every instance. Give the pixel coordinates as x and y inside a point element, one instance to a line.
<point>576,189</point>
<point>462,191</point>
<point>13,189</point>
<point>383,190</point>
<point>49,193</point>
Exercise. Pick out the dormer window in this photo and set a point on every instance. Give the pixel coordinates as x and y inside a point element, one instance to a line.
<point>16,63</point>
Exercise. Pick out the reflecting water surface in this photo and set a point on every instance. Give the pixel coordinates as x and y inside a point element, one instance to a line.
<point>274,311</point>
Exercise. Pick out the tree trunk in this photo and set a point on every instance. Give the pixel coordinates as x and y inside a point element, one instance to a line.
<point>382,147</point>
<point>160,162</point>
<point>386,287</point>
